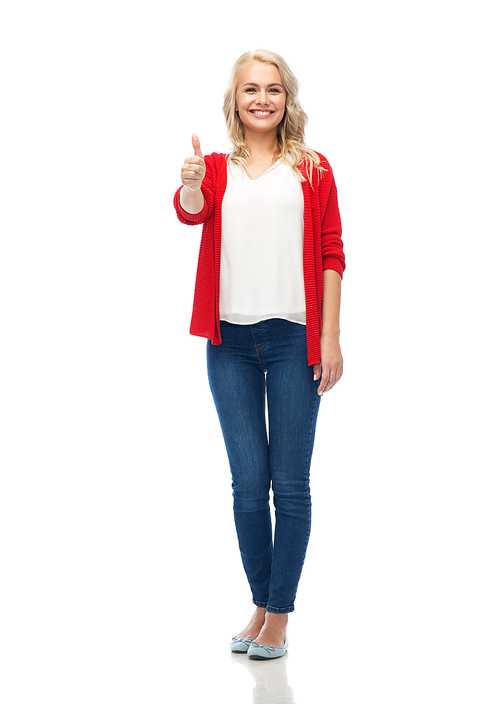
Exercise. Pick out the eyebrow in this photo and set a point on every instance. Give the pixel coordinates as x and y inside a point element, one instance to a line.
<point>269,86</point>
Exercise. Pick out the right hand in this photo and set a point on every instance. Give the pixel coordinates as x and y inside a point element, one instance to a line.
<point>193,170</point>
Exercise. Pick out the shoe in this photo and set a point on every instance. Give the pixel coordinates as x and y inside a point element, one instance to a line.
<point>256,651</point>
<point>240,645</point>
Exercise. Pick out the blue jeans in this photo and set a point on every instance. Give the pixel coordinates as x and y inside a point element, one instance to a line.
<point>267,358</point>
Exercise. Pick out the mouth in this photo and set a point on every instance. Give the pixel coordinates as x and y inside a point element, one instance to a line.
<point>262,113</point>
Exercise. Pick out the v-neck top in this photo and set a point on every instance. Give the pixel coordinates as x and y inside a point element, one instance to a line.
<point>262,244</point>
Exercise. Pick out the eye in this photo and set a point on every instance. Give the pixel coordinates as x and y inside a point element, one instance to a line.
<point>250,90</point>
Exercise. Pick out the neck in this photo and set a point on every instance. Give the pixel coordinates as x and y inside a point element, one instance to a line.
<point>261,144</point>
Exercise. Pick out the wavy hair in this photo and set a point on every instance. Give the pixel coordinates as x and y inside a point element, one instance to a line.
<point>292,149</point>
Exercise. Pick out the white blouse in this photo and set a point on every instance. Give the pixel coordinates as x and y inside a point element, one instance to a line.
<point>262,264</point>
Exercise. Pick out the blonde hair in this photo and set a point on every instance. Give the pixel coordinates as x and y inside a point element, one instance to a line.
<point>291,142</point>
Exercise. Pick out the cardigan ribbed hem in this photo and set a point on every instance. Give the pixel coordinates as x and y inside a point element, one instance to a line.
<point>333,263</point>
<point>184,216</point>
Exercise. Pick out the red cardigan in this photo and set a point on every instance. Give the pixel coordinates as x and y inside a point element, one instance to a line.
<point>323,249</point>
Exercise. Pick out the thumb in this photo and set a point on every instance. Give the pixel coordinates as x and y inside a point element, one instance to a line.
<point>317,371</point>
<point>196,145</point>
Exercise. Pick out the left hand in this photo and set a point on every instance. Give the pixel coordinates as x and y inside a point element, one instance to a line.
<point>331,366</point>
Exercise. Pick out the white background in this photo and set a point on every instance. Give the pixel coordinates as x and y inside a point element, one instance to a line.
<point>121,579</point>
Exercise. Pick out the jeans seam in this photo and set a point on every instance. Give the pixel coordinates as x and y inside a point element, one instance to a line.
<point>314,412</point>
<point>260,349</point>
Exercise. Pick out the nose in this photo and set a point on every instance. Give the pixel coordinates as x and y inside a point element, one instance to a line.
<point>262,97</point>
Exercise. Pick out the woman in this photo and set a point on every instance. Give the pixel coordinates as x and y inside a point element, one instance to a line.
<point>267,297</point>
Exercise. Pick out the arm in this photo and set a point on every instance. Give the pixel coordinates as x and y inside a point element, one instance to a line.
<point>331,366</point>
<point>192,201</point>
<point>192,175</point>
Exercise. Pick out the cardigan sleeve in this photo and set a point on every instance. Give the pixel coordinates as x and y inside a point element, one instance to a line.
<point>332,248</point>
<point>207,188</point>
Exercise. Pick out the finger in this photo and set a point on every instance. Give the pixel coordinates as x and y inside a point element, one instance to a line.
<point>197,145</point>
<point>325,380</point>
<point>330,376</point>
<point>194,168</point>
<point>198,160</point>
<point>192,171</point>
<point>191,182</point>
<point>316,372</point>
<point>333,377</point>
<point>188,173</point>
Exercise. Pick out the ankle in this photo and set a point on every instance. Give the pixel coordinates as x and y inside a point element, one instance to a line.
<point>276,619</point>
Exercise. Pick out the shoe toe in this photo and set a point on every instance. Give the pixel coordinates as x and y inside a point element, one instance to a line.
<point>256,651</point>
<point>240,645</point>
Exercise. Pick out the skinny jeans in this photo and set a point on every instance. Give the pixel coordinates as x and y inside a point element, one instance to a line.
<point>267,361</point>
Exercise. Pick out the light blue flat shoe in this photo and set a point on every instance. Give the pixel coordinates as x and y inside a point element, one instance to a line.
<point>256,651</point>
<point>241,645</point>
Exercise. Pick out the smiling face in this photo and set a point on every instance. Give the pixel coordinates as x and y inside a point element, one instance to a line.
<point>260,97</point>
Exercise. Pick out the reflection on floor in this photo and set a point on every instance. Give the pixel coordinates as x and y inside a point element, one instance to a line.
<point>270,677</point>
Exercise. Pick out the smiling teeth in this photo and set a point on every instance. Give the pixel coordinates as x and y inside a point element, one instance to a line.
<point>261,112</point>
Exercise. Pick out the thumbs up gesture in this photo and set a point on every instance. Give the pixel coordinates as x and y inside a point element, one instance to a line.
<point>193,170</point>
